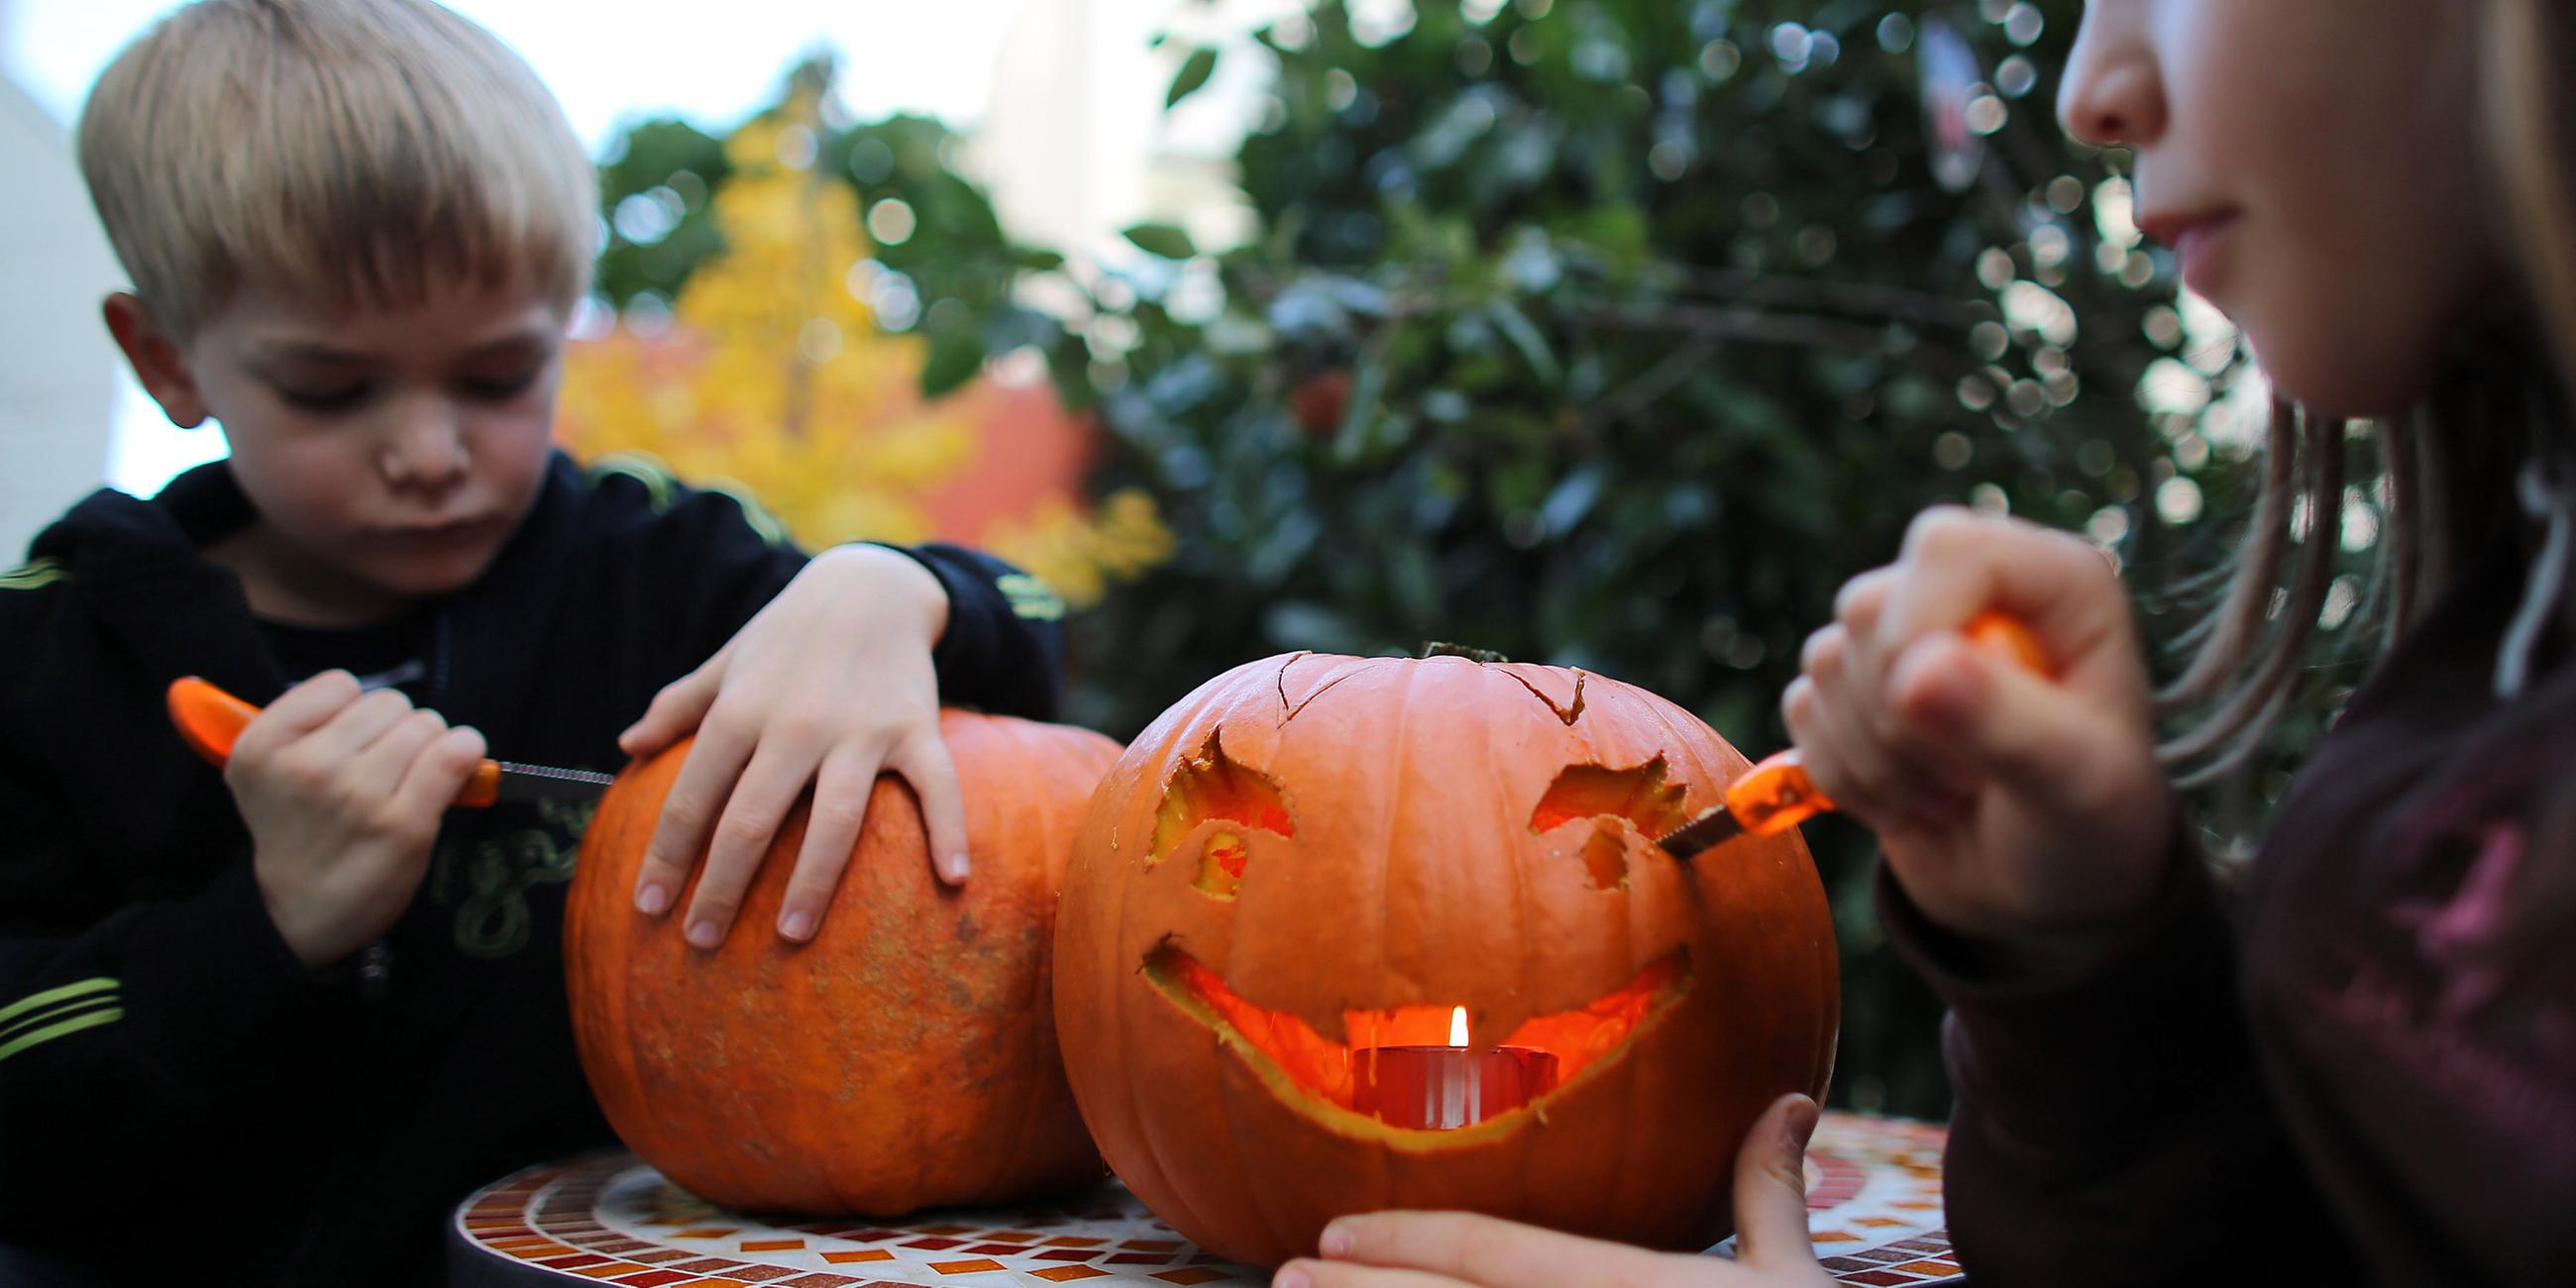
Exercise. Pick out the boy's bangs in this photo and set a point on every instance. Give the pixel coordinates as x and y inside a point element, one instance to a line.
<point>340,152</point>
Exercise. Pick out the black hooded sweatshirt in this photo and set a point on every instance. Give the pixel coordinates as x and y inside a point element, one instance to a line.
<point>175,1087</point>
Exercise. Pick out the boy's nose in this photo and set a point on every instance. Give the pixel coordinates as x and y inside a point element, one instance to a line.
<point>427,450</point>
<point>2112,94</point>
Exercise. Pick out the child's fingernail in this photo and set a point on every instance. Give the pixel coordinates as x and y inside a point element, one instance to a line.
<point>1336,1241</point>
<point>703,934</point>
<point>955,866</point>
<point>1292,1277</point>
<point>1802,1123</point>
<point>653,899</point>
<point>798,926</point>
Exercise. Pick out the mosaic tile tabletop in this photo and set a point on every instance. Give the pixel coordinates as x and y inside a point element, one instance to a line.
<point>1873,1199</point>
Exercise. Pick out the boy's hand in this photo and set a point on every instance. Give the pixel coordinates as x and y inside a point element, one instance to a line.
<point>342,792</point>
<point>1457,1250</point>
<point>829,685</point>
<point>2024,813</point>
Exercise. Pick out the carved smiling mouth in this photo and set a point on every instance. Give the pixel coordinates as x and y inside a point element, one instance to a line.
<point>1291,1056</point>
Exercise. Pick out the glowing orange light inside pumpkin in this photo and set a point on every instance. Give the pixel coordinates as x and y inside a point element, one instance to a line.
<point>1569,1041</point>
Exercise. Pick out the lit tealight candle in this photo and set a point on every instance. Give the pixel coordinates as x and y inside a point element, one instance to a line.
<point>1438,1088</point>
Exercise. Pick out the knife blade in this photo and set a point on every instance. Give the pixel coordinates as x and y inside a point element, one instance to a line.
<point>209,719</point>
<point>1777,795</point>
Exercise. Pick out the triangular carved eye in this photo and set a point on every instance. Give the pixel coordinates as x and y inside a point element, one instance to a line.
<point>1638,794</point>
<point>1211,785</point>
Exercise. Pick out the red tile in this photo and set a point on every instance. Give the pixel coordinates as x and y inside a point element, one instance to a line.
<point>818,1279</point>
<point>655,1278</point>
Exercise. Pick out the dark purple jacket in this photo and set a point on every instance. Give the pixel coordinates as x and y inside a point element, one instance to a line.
<point>2323,1077</point>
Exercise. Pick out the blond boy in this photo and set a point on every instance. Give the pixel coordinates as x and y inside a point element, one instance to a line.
<point>285,1015</point>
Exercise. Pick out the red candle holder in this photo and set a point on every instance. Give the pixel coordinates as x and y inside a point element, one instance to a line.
<point>1440,1088</point>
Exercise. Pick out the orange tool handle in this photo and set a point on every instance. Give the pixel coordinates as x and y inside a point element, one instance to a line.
<point>209,719</point>
<point>1777,795</point>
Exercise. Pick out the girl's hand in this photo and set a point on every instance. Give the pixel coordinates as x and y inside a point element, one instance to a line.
<point>829,685</point>
<point>2025,813</point>
<point>342,792</point>
<point>1458,1250</point>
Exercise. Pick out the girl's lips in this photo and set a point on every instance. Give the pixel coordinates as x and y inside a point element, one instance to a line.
<point>2195,238</point>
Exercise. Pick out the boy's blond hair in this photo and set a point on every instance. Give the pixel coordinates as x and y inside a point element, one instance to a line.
<point>346,151</point>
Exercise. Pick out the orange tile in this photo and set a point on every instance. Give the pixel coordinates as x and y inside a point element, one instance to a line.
<point>773,1245</point>
<point>1067,1274</point>
<point>1880,1221</point>
<point>611,1269</point>
<point>1833,1236</point>
<point>863,1254</point>
<point>1927,1268</point>
<point>975,1267</point>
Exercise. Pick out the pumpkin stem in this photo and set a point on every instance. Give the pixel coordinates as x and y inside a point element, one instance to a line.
<point>1436,648</point>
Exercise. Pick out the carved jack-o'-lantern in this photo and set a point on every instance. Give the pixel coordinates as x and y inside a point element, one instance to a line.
<point>1313,861</point>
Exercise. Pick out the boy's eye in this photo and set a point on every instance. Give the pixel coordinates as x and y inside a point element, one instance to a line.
<point>500,388</point>
<point>324,397</point>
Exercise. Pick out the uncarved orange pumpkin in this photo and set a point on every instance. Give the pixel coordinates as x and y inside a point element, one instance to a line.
<point>904,1058</point>
<point>1311,857</point>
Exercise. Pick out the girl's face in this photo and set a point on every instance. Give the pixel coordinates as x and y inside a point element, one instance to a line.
<point>2315,163</point>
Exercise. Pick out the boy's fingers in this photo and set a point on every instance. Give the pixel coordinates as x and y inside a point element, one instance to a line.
<point>345,737</point>
<point>1485,1251</point>
<point>307,706</point>
<point>680,707</point>
<point>759,801</point>
<point>924,762</point>
<point>840,811</point>
<point>439,770</point>
<point>688,813</point>
<point>1771,1187</point>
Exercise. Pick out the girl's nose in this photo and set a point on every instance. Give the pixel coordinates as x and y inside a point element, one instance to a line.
<point>2113,94</point>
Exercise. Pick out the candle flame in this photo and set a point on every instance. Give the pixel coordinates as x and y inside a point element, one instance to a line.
<point>1458,1027</point>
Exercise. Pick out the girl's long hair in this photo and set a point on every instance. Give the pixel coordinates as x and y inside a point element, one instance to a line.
<point>2491,446</point>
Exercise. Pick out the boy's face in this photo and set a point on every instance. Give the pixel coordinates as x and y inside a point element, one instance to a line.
<point>390,451</point>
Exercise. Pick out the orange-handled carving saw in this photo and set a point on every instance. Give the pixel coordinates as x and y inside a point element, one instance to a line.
<point>1777,795</point>
<point>209,719</point>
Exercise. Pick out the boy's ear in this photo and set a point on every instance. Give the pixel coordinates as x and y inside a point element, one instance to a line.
<point>156,359</point>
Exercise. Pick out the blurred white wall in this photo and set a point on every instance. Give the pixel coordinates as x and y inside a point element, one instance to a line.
<point>57,366</point>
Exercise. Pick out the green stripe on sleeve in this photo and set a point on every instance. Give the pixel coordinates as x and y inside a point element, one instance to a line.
<point>31,576</point>
<point>65,1028</point>
<point>80,988</point>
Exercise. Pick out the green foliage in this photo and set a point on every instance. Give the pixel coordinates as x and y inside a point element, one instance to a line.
<point>1618,334</point>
